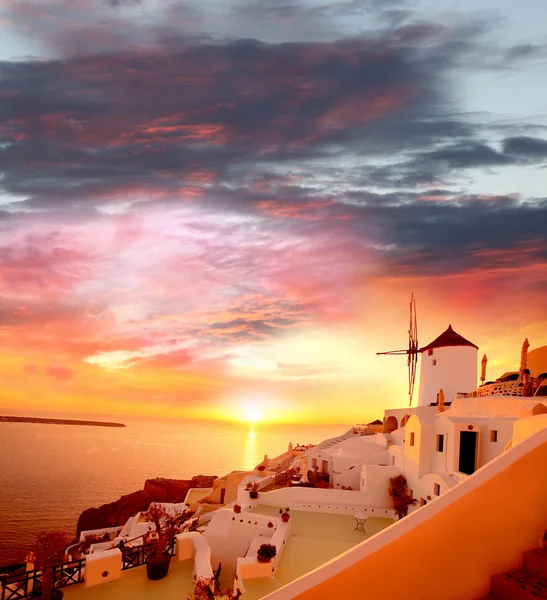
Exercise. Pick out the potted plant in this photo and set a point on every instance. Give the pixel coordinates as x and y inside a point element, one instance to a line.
<point>402,500</point>
<point>252,488</point>
<point>157,565</point>
<point>237,508</point>
<point>266,552</point>
<point>203,590</point>
<point>284,512</point>
<point>48,550</point>
<point>88,541</point>
<point>261,468</point>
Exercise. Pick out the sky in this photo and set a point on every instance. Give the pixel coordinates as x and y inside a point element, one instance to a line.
<point>219,210</point>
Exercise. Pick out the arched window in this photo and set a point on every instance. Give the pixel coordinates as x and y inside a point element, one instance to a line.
<point>390,424</point>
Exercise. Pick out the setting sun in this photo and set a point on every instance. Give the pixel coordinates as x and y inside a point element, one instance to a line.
<point>252,414</point>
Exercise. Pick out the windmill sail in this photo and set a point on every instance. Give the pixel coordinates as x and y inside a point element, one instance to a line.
<point>412,350</point>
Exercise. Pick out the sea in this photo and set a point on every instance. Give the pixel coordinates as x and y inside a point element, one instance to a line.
<point>49,473</point>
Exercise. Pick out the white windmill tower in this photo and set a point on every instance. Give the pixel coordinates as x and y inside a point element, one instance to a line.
<point>449,363</point>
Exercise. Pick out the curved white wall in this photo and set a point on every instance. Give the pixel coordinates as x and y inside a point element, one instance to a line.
<point>453,368</point>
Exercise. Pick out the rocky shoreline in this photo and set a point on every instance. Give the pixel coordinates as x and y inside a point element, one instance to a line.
<point>116,513</point>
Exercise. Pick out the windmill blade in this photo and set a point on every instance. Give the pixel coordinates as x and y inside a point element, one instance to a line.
<point>412,348</point>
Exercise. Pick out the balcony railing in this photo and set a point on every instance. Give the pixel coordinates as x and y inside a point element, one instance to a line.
<point>22,585</point>
<point>136,557</point>
<point>502,388</point>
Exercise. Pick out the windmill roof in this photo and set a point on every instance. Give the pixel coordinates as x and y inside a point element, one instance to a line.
<point>449,338</point>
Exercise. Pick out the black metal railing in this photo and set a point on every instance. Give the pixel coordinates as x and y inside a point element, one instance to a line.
<point>281,478</point>
<point>71,573</point>
<point>21,585</point>
<point>136,557</point>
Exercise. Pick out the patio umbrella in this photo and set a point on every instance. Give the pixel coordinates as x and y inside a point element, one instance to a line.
<point>483,368</point>
<point>304,469</point>
<point>524,356</point>
<point>441,400</point>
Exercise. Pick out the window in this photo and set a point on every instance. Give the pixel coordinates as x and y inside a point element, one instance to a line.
<point>434,362</point>
<point>412,439</point>
<point>423,501</point>
<point>411,492</point>
<point>437,489</point>
<point>313,463</point>
<point>440,443</point>
<point>493,435</point>
<point>430,352</point>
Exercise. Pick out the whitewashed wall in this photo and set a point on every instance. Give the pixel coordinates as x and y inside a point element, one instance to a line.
<point>453,368</point>
<point>229,534</point>
<point>375,484</point>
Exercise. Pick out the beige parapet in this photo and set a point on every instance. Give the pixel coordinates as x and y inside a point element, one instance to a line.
<point>103,567</point>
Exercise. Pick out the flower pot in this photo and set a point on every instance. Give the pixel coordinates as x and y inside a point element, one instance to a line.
<point>285,518</point>
<point>55,595</point>
<point>253,495</point>
<point>237,509</point>
<point>157,567</point>
<point>262,559</point>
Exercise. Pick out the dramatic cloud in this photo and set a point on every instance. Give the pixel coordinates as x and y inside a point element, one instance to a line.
<point>186,208</point>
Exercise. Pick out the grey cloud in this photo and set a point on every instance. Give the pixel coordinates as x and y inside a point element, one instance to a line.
<point>470,155</point>
<point>526,146</point>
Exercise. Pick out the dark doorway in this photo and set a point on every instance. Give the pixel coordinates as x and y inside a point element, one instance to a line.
<point>468,451</point>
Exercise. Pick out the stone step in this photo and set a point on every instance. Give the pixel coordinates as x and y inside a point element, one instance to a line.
<point>518,585</point>
<point>536,561</point>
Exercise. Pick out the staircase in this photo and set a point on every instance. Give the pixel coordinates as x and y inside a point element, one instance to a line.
<point>528,583</point>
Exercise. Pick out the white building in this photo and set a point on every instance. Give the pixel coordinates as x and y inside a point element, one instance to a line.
<point>448,362</point>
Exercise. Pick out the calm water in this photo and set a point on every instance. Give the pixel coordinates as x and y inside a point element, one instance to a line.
<point>50,473</point>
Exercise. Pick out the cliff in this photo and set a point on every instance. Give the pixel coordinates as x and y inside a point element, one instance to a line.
<point>155,490</point>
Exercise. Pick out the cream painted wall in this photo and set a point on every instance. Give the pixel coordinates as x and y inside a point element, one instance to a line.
<point>425,487</point>
<point>418,456</point>
<point>526,427</point>
<point>353,454</point>
<point>453,368</point>
<point>375,484</point>
<point>439,460</point>
<point>488,450</point>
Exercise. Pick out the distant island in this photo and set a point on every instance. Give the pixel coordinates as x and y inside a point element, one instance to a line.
<point>58,421</point>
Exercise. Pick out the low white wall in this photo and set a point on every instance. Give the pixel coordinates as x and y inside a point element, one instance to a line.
<point>109,530</point>
<point>127,527</point>
<point>103,567</point>
<point>249,567</point>
<point>101,546</point>
<point>229,534</point>
<point>193,545</point>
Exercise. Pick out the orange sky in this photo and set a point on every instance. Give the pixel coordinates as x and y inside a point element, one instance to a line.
<point>230,226</point>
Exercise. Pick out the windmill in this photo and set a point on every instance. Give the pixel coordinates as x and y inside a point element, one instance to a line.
<point>412,350</point>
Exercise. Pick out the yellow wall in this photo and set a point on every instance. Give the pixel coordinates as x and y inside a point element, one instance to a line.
<point>449,549</point>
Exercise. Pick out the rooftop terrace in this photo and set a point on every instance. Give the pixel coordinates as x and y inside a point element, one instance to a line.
<point>314,539</point>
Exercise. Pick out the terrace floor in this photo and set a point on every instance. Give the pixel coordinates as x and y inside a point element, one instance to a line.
<point>134,585</point>
<point>314,539</point>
